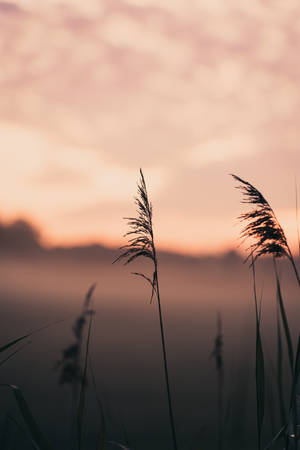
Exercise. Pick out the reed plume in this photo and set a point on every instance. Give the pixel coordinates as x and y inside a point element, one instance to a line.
<point>70,364</point>
<point>142,244</point>
<point>269,239</point>
<point>263,227</point>
<point>217,355</point>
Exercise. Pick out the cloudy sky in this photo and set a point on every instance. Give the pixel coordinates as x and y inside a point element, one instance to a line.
<point>189,90</point>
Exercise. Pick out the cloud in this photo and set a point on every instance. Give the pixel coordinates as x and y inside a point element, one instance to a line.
<point>223,149</point>
<point>190,91</point>
<point>162,80</point>
<point>57,174</point>
<point>9,8</point>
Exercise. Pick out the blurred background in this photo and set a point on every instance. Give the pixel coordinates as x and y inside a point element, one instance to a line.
<point>191,92</point>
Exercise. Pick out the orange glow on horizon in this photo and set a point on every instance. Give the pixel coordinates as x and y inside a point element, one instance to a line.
<point>54,239</point>
<point>189,91</point>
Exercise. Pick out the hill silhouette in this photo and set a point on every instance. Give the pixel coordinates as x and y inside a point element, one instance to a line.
<point>22,238</point>
<point>19,236</point>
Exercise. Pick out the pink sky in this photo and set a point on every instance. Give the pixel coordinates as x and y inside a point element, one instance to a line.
<point>188,90</point>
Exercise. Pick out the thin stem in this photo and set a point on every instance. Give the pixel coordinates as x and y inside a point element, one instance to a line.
<point>291,258</point>
<point>297,218</point>
<point>142,245</point>
<point>259,367</point>
<point>279,371</point>
<point>220,411</point>
<point>285,323</point>
<point>220,384</point>
<point>171,415</point>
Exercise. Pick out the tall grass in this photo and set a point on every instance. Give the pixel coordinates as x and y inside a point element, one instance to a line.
<point>280,386</point>
<point>263,226</point>
<point>217,354</point>
<point>268,238</point>
<point>259,365</point>
<point>142,244</point>
<point>70,365</point>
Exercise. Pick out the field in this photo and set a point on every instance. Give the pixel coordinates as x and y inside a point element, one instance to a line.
<point>37,289</point>
<point>95,366</point>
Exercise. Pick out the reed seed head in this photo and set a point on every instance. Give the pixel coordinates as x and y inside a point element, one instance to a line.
<point>140,242</point>
<point>140,228</point>
<point>70,364</point>
<point>262,224</point>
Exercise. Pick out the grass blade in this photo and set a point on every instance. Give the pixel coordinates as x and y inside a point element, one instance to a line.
<point>297,216</point>
<point>284,319</point>
<point>217,354</point>
<point>22,430</point>
<point>102,430</point>
<point>34,430</point>
<point>293,406</point>
<point>276,438</point>
<point>13,353</point>
<point>260,385</point>
<point>279,372</point>
<point>259,367</point>
<point>19,339</point>
<point>81,405</point>
<point>117,444</point>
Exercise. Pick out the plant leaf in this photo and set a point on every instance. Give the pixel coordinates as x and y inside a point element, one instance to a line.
<point>123,447</point>
<point>81,405</point>
<point>151,282</point>
<point>15,341</point>
<point>284,320</point>
<point>259,366</point>
<point>34,430</point>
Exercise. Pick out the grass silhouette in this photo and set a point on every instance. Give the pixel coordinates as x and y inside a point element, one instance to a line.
<point>142,244</point>
<point>268,239</point>
<point>217,354</point>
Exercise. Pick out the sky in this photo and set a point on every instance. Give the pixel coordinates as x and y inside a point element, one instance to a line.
<point>190,91</point>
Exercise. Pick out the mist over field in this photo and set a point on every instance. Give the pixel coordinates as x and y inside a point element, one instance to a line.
<point>40,286</point>
<point>203,97</point>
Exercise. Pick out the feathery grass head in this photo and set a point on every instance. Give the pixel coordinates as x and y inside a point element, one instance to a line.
<point>70,364</point>
<point>262,225</point>
<point>140,228</point>
<point>141,244</point>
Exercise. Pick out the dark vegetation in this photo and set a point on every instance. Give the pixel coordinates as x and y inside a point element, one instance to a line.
<point>275,409</point>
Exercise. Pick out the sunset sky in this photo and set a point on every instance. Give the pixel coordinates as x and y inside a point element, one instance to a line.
<point>189,90</point>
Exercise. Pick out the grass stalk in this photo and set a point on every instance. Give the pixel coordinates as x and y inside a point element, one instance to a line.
<point>297,216</point>
<point>284,318</point>
<point>102,432</point>
<point>81,404</point>
<point>259,366</point>
<point>34,431</point>
<point>217,354</point>
<point>142,244</point>
<point>28,335</point>
<point>279,377</point>
<point>161,324</point>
